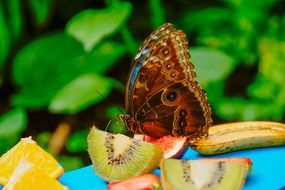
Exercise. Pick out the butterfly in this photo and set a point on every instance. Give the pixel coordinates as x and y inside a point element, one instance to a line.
<point>162,94</point>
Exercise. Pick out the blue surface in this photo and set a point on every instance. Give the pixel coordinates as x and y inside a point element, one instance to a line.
<point>268,170</point>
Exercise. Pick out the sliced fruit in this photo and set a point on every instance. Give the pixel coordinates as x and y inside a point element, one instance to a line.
<point>118,157</point>
<point>28,149</point>
<point>26,177</point>
<point>203,174</point>
<point>246,161</point>
<point>144,182</point>
<point>241,135</point>
<point>173,147</point>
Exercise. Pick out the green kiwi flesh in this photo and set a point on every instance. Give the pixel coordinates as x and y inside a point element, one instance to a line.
<point>202,174</point>
<point>118,157</point>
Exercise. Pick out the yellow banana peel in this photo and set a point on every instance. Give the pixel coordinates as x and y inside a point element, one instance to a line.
<point>240,135</point>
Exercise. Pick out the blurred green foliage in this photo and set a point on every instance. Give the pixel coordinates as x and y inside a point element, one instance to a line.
<point>105,23</point>
<point>12,125</point>
<point>253,37</point>
<point>84,90</point>
<point>68,61</point>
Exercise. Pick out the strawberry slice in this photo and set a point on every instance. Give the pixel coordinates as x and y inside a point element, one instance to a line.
<point>144,182</point>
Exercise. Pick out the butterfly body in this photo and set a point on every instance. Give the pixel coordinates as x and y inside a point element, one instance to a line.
<point>163,97</point>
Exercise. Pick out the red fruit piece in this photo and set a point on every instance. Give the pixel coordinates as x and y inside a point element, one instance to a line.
<point>173,147</point>
<point>144,182</point>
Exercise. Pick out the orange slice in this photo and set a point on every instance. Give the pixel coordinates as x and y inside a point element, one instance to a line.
<point>27,177</point>
<point>29,150</point>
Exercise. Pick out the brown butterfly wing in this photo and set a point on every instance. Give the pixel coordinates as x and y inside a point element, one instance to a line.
<point>155,36</point>
<point>163,93</point>
<point>146,67</point>
<point>180,109</point>
<point>141,60</point>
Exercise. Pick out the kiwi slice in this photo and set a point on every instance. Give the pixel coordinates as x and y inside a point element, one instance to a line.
<point>203,174</point>
<point>117,157</point>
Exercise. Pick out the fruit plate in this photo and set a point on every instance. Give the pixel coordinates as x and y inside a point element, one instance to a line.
<point>267,170</point>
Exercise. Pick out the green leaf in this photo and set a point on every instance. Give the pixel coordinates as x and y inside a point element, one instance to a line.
<point>70,162</point>
<point>272,60</point>
<point>104,56</point>
<point>158,13</point>
<point>211,64</point>
<point>229,108</point>
<point>131,44</point>
<point>233,31</point>
<point>77,142</point>
<point>279,99</point>
<point>282,28</point>
<point>44,66</point>
<point>91,26</point>
<point>112,2</point>
<point>252,5</point>
<point>114,111</point>
<point>214,91</point>
<point>269,84</point>
<point>15,18</point>
<point>43,139</point>
<point>255,11</point>
<point>12,124</point>
<point>241,109</point>
<point>80,93</point>
<point>41,10</point>
<point>4,38</point>
<point>263,88</point>
<point>117,126</point>
<point>200,19</point>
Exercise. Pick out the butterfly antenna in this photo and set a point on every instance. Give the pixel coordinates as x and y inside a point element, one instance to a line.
<point>105,98</point>
<point>109,102</point>
<point>108,124</point>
